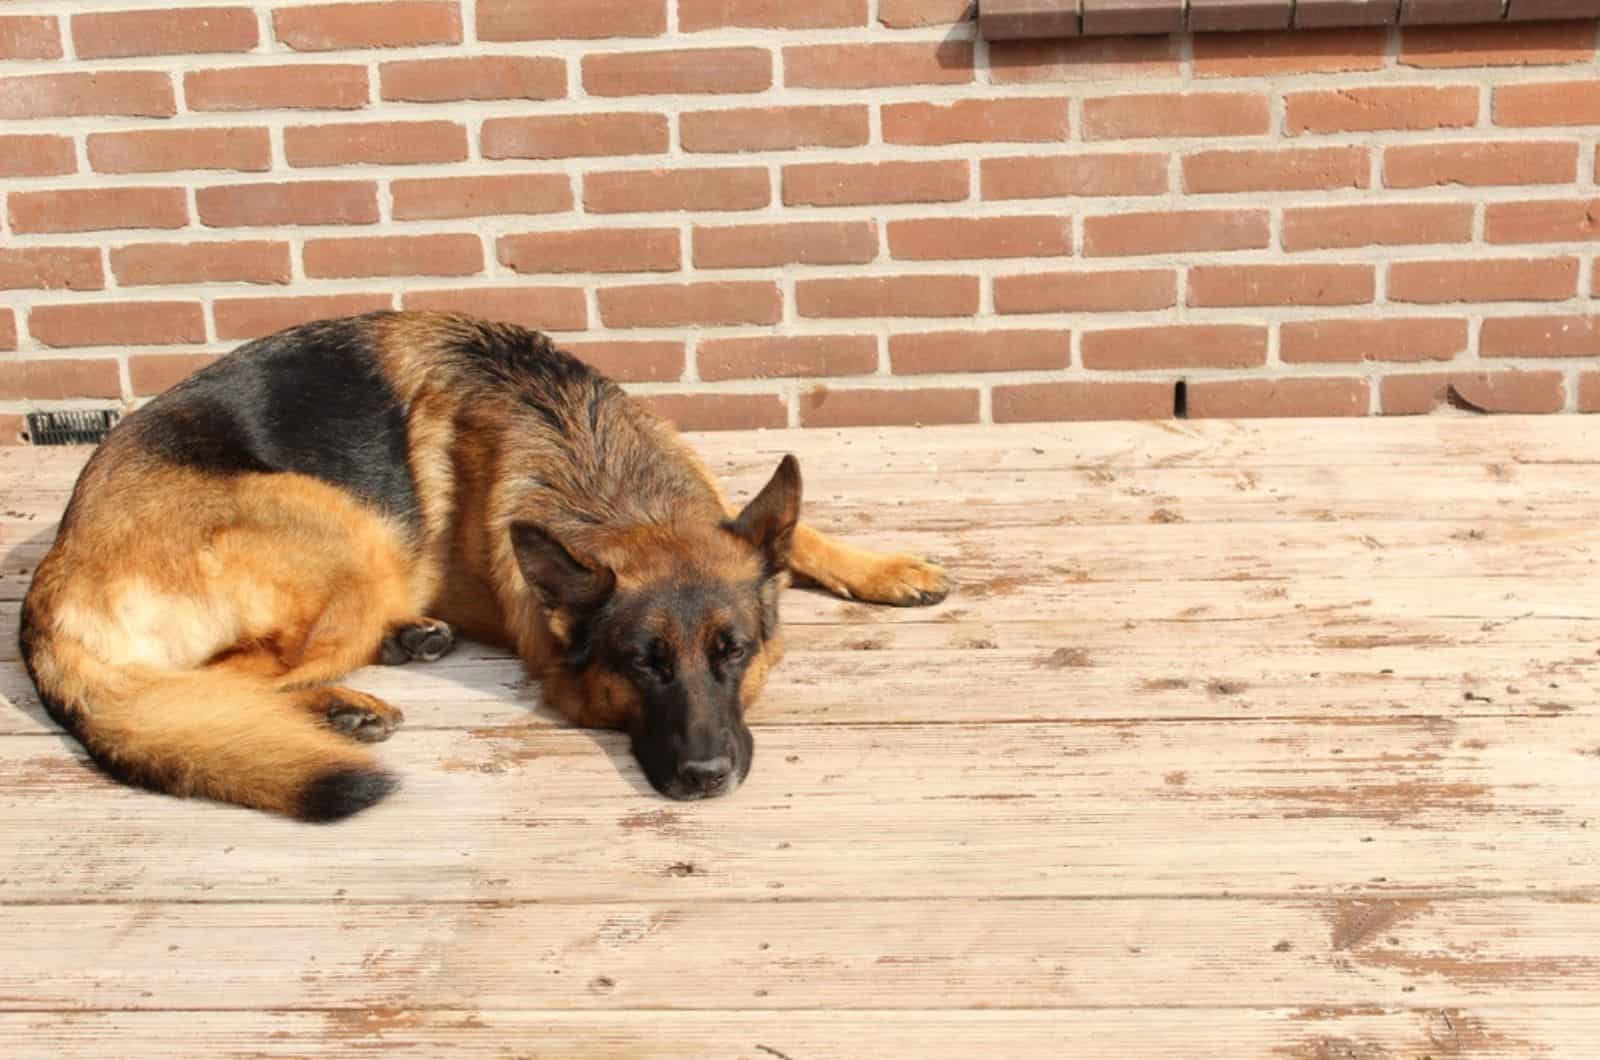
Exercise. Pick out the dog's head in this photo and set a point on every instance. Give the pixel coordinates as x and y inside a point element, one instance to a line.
<point>675,647</point>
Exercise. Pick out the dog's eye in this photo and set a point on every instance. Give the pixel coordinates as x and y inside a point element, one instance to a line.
<point>727,649</point>
<point>657,660</point>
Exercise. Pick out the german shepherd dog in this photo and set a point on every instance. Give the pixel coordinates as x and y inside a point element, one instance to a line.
<point>361,490</point>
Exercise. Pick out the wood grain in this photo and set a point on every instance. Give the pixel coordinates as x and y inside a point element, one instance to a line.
<point>1264,740</point>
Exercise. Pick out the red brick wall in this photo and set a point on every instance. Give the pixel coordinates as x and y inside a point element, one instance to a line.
<point>761,213</point>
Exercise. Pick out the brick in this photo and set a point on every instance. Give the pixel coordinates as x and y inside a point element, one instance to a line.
<point>473,77</point>
<point>160,150</point>
<point>1015,350</point>
<point>247,261</point>
<point>1206,16</point>
<point>250,318</point>
<point>773,356</point>
<point>1328,51</point>
<point>1480,164</point>
<point>657,361</point>
<point>575,136</point>
<point>677,305</point>
<point>1387,339</point>
<point>718,412</point>
<point>697,15</point>
<point>888,296</point>
<point>1057,402</point>
<point>1176,114</point>
<point>955,238</point>
<point>118,324</point>
<point>1484,280</point>
<point>592,250</point>
<point>30,155</point>
<point>823,406</point>
<point>394,24</point>
<point>30,37</point>
<point>1105,17</point>
<point>155,373</point>
<point>1588,392</point>
<point>913,14</point>
<point>969,121</point>
<point>1292,169</point>
<point>1168,232</point>
<point>1073,175</point>
<point>59,379</point>
<point>793,243</point>
<point>122,93</point>
<point>1389,224</point>
<point>1376,108</point>
<point>1246,398</point>
<point>860,183</point>
<point>1097,59</point>
<point>1542,221</point>
<point>390,143</point>
<point>1560,103</point>
<point>680,71</point>
<point>1100,291</point>
<point>1508,391</point>
<point>305,202</point>
<point>878,65</point>
<point>13,428</point>
<point>164,31</point>
<point>539,308</point>
<point>570,19</point>
<point>8,330</point>
<point>1176,346</point>
<point>1540,336</point>
<point>444,254</point>
<point>676,189</point>
<point>773,128</point>
<point>1321,14</point>
<point>97,209</point>
<point>1292,285</point>
<point>428,198</point>
<point>51,268</point>
<point>1497,44</point>
<point>301,86</point>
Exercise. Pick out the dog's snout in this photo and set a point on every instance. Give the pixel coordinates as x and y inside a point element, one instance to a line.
<point>707,776</point>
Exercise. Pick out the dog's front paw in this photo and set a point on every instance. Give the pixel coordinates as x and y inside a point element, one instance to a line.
<point>905,581</point>
<point>425,640</point>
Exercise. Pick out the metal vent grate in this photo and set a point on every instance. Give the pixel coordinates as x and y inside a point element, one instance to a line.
<point>78,427</point>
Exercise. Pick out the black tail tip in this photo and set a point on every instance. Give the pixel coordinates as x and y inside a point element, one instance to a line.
<point>339,793</point>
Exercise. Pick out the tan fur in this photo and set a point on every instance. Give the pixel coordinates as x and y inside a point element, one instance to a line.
<point>185,620</point>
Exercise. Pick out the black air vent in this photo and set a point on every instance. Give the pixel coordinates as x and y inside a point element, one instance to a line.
<point>79,427</point>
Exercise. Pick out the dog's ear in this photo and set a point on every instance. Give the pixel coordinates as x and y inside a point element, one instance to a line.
<point>768,521</point>
<point>555,574</point>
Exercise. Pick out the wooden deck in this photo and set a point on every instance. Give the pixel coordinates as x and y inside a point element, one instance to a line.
<point>1268,740</point>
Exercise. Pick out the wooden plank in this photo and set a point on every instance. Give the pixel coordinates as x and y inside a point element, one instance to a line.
<point>1482,1031</point>
<point>857,504</point>
<point>989,561</point>
<point>1300,665</point>
<point>1400,441</point>
<point>777,956</point>
<point>1203,808</point>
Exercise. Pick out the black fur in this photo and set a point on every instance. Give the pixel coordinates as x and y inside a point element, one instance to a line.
<point>338,794</point>
<point>312,399</point>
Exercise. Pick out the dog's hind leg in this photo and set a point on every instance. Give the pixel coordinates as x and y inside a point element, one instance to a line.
<point>861,574</point>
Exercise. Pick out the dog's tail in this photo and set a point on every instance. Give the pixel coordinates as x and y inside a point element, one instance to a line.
<point>209,733</point>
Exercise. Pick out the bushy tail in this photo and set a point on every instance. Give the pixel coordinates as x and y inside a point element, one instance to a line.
<point>207,733</point>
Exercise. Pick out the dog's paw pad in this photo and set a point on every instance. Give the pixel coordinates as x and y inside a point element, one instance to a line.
<point>359,716</point>
<point>423,641</point>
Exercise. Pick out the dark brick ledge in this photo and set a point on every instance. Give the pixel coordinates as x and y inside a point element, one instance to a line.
<point>1012,19</point>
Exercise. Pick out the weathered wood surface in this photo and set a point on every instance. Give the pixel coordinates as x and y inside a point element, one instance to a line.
<point>1253,740</point>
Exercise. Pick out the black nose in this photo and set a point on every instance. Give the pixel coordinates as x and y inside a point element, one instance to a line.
<point>706,777</point>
